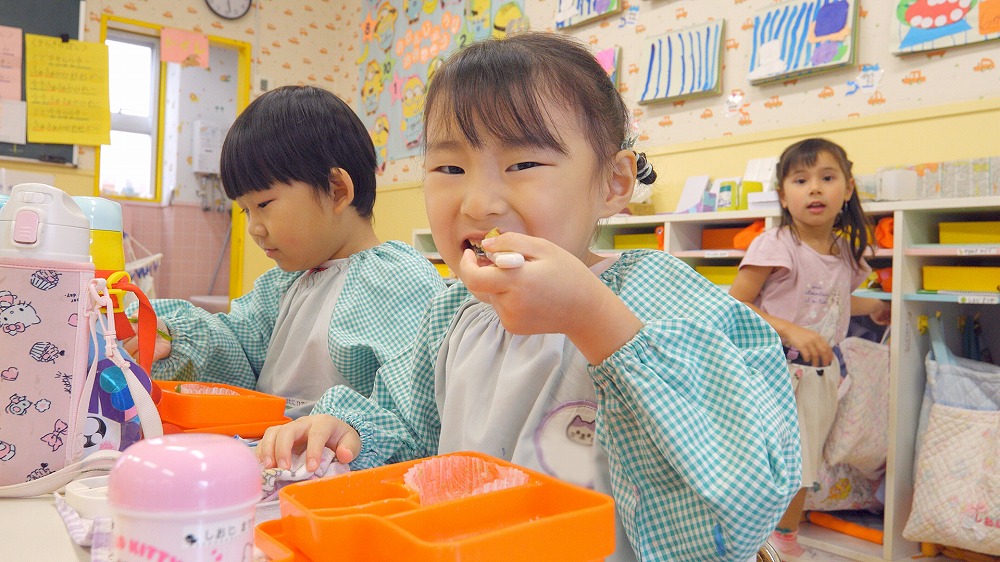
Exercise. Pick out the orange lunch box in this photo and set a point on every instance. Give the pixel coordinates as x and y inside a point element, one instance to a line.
<point>374,515</point>
<point>219,408</point>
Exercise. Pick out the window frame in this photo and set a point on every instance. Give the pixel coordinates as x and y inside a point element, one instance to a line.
<point>149,125</point>
<point>146,35</point>
<point>237,251</point>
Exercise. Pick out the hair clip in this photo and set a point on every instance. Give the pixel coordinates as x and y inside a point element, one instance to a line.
<point>631,134</point>
<point>645,168</point>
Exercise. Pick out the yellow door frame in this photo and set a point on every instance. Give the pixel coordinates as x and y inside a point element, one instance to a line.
<point>244,51</point>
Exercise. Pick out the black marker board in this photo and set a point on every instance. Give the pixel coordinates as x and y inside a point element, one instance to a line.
<point>57,18</point>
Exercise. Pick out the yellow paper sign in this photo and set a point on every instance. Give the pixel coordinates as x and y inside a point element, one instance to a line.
<point>66,87</point>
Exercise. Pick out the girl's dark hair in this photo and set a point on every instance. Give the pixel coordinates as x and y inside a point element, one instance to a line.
<point>501,84</point>
<point>852,222</point>
<point>298,133</point>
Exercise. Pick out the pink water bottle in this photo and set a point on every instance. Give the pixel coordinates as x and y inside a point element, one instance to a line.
<point>186,496</point>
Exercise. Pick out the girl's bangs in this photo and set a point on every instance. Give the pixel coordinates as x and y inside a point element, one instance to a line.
<point>506,108</point>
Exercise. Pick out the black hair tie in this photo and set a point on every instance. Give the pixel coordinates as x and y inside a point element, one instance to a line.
<point>644,167</point>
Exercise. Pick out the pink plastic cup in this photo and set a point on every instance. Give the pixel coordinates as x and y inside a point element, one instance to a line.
<point>187,496</point>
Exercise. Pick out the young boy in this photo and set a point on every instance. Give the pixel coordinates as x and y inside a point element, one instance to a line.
<point>301,165</point>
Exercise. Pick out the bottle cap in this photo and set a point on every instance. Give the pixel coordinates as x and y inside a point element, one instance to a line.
<point>42,222</point>
<point>104,214</point>
<point>185,472</point>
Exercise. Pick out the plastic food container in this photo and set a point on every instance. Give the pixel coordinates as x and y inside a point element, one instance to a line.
<point>219,408</point>
<point>373,515</point>
<point>184,497</point>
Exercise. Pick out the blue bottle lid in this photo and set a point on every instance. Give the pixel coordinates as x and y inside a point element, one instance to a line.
<point>104,214</point>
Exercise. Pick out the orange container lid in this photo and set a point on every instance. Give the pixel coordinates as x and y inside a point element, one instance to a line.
<point>253,430</point>
<point>231,406</point>
<point>373,515</point>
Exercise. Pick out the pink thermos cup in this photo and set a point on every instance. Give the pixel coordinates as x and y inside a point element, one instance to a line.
<point>186,497</point>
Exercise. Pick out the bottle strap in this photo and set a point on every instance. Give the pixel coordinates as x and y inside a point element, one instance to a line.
<point>93,465</point>
<point>149,417</point>
<point>120,283</point>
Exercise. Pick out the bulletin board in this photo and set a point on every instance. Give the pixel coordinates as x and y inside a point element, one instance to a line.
<point>54,18</point>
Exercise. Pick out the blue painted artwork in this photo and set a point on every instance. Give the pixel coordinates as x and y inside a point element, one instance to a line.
<point>575,12</point>
<point>800,37</point>
<point>683,64</point>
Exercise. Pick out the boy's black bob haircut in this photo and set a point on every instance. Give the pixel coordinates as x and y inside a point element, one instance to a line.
<point>298,133</point>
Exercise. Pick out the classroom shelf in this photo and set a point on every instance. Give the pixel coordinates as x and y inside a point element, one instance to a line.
<point>957,250</point>
<point>958,298</point>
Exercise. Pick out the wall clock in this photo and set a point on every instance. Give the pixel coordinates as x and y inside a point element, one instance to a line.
<point>230,9</point>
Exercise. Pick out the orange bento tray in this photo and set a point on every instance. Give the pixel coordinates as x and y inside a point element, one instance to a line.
<point>234,411</point>
<point>373,515</point>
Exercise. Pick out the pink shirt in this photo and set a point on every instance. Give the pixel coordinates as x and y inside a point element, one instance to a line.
<point>807,288</point>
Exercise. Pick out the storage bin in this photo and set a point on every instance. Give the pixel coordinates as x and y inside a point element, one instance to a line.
<point>646,240</point>
<point>961,278</point>
<point>718,274</point>
<point>719,238</point>
<point>970,232</point>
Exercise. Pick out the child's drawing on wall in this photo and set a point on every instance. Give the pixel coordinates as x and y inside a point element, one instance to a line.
<point>684,63</point>
<point>802,36</point>
<point>923,25</point>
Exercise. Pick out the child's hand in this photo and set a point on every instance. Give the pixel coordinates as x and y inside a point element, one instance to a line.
<point>311,434</point>
<point>552,292</point>
<point>810,345</point>
<point>161,347</point>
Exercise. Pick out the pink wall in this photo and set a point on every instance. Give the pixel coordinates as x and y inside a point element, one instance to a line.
<point>190,240</point>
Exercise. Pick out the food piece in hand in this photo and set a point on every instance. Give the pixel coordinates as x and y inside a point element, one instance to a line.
<point>478,249</point>
<point>503,260</point>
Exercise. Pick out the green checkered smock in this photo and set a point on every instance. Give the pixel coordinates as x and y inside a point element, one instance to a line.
<point>385,294</point>
<point>695,413</point>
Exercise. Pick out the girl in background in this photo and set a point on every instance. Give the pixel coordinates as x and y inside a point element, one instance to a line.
<point>799,277</point>
<point>632,375</point>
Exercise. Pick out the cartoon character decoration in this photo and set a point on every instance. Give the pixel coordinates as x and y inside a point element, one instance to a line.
<point>385,27</point>
<point>55,437</point>
<point>412,126</point>
<point>19,405</point>
<point>380,138</point>
<point>97,435</point>
<point>113,422</point>
<point>16,316</point>
<point>403,43</point>
<point>42,470</point>
<point>581,431</point>
<point>477,19</point>
<point>372,88</point>
<point>507,15</point>
<point>564,442</point>
<point>412,10</point>
<point>7,451</point>
<point>45,279</point>
<point>45,352</point>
